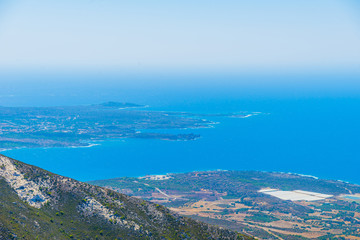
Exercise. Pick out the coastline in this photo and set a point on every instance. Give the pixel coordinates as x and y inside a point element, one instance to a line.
<point>207,124</point>
<point>54,147</point>
<point>227,170</point>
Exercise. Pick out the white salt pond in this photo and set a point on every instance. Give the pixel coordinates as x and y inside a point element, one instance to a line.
<point>296,195</point>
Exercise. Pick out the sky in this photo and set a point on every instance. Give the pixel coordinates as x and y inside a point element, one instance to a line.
<point>226,35</point>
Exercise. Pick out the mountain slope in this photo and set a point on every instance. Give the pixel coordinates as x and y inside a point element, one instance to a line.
<point>36,204</point>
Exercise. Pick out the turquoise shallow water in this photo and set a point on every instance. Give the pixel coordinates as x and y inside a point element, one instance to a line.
<point>352,197</point>
<point>311,129</point>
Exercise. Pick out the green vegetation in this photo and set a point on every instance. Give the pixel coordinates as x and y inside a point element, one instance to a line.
<point>240,205</point>
<point>78,125</point>
<point>70,213</point>
<point>261,217</point>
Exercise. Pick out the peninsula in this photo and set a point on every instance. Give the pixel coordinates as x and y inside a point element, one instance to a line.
<point>66,126</point>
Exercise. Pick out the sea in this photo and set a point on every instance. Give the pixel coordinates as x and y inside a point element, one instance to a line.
<point>309,124</point>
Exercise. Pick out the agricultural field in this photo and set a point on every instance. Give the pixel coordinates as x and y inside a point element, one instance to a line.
<point>298,207</point>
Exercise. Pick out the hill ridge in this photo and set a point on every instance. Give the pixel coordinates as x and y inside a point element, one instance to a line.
<point>37,204</point>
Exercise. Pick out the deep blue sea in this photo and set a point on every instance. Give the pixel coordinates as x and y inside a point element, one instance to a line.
<point>313,131</point>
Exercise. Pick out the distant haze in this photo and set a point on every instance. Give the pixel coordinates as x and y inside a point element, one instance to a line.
<point>185,35</point>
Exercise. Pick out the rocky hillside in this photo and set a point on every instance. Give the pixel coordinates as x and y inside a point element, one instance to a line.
<point>36,204</point>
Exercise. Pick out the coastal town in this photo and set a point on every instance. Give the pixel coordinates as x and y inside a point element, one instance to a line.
<point>80,125</point>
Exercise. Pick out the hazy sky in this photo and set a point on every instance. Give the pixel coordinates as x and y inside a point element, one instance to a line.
<point>187,34</point>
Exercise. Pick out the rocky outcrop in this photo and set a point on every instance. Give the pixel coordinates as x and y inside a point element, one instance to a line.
<point>27,190</point>
<point>37,204</point>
